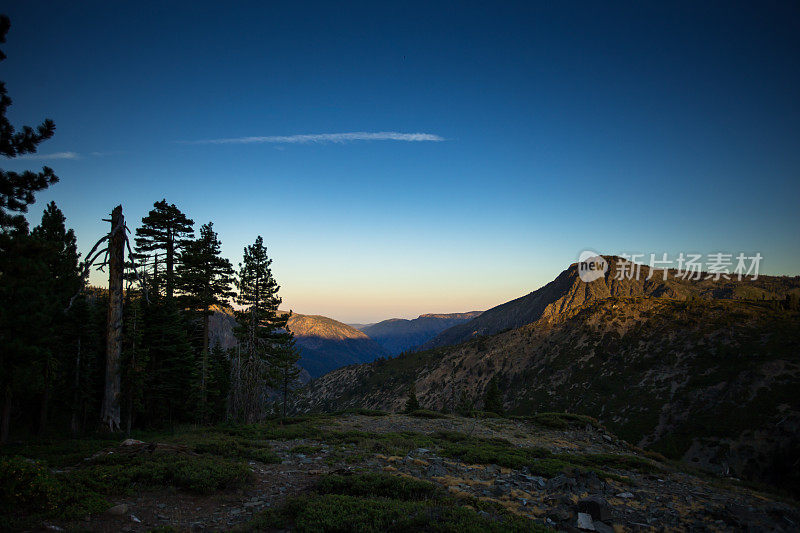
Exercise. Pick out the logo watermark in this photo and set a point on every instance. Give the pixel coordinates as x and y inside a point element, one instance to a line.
<point>591,266</point>
<point>715,266</point>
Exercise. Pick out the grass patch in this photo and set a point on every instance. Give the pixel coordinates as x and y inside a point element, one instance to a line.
<point>230,447</point>
<point>378,486</point>
<point>363,412</point>
<point>561,420</point>
<point>306,449</point>
<point>425,413</point>
<point>381,503</point>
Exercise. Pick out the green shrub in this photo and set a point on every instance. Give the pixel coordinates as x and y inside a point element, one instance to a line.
<point>425,413</point>
<point>29,491</point>
<point>305,449</point>
<point>232,447</point>
<point>378,486</point>
<point>364,412</point>
<point>561,420</point>
<point>342,513</point>
<point>492,453</point>
<point>204,474</point>
<point>62,453</point>
<point>623,462</point>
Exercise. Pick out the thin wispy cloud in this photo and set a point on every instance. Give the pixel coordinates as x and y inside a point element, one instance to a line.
<point>320,138</point>
<point>56,155</point>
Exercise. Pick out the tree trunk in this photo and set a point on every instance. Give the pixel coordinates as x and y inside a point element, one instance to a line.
<point>204,367</point>
<point>4,424</point>
<point>170,265</point>
<point>45,398</point>
<point>76,395</point>
<point>110,414</point>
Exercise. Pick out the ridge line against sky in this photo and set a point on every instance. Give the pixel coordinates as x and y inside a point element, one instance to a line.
<point>325,138</point>
<point>408,158</point>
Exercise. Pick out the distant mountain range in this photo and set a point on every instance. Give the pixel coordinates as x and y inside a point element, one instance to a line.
<point>706,371</point>
<point>398,335</point>
<point>325,344</point>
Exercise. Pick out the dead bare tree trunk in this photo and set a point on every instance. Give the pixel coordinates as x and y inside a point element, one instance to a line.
<point>110,414</point>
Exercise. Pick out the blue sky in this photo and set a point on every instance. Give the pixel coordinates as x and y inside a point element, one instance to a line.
<point>617,128</point>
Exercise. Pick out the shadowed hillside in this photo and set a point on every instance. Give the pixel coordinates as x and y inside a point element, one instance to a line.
<point>325,344</point>
<point>398,335</point>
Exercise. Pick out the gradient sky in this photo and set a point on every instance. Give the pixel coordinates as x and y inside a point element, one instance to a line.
<point>604,126</point>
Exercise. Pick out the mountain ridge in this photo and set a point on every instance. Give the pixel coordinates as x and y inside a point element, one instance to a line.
<point>397,335</point>
<point>699,371</point>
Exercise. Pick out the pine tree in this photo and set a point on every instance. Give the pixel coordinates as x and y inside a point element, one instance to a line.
<point>261,332</point>
<point>204,279</point>
<point>493,399</point>
<point>218,383</point>
<point>59,248</point>
<point>465,405</point>
<point>167,229</point>
<point>17,190</point>
<point>412,404</point>
<point>169,360</point>
<point>25,327</point>
<point>284,371</point>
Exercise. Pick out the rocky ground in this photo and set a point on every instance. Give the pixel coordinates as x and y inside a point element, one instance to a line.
<point>613,499</point>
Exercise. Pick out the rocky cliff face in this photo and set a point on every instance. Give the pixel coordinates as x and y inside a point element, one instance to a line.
<point>567,292</point>
<point>398,335</point>
<point>710,380</point>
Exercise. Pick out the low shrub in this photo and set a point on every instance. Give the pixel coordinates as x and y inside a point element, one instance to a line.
<point>378,486</point>
<point>29,491</point>
<point>368,503</point>
<point>204,474</point>
<point>232,447</point>
<point>425,413</point>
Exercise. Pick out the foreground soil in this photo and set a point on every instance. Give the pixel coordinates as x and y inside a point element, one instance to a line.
<point>621,496</point>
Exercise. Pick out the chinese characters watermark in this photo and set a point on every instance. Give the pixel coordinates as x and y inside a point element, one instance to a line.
<point>714,266</point>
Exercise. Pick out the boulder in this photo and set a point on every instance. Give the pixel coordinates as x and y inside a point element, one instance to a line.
<point>596,507</point>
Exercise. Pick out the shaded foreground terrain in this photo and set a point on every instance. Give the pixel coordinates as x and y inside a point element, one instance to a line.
<point>375,472</point>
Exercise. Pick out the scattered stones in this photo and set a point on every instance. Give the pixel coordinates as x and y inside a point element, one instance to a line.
<point>602,527</point>
<point>585,522</point>
<point>625,495</point>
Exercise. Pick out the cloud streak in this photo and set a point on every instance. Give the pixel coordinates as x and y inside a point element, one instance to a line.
<point>321,138</point>
<point>57,155</point>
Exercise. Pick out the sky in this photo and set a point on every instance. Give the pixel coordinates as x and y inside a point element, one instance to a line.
<point>408,158</point>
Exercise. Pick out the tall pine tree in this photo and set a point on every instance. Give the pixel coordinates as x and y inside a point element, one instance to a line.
<point>60,254</point>
<point>17,190</point>
<point>204,279</point>
<point>261,332</point>
<point>23,271</point>
<point>165,229</point>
